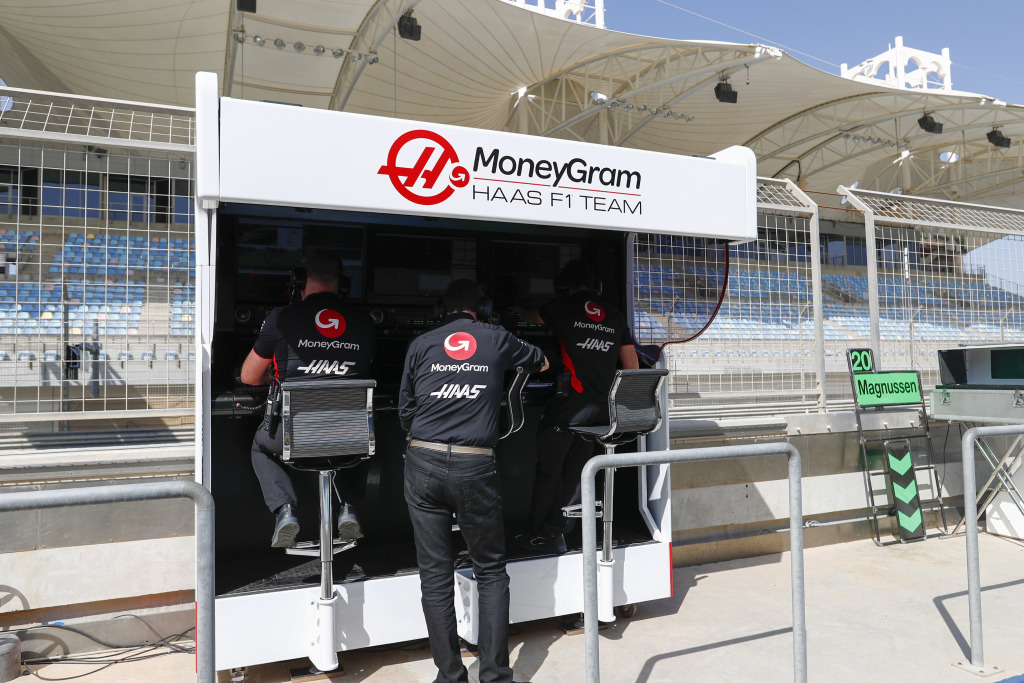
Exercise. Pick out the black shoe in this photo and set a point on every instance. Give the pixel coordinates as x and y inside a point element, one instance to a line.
<point>348,524</point>
<point>542,543</point>
<point>286,528</point>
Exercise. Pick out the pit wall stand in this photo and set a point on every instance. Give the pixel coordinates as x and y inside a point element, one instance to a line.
<point>893,486</point>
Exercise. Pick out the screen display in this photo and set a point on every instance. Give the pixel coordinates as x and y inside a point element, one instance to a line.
<point>525,272</point>
<point>413,265</point>
<point>265,253</point>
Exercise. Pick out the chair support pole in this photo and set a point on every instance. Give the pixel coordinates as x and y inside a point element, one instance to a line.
<point>326,536</point>
<point>607,508</point>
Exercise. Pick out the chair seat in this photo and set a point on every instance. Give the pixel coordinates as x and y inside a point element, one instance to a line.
<point>335,462</point>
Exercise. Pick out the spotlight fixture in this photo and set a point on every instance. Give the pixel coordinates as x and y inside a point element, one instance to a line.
<point>996,137</point>
<point>725,93</point>
<point>299,47</point>
<point>319,50</point>
<point>929,125</point>
<point>373,59</point>
<point>408,27</point>
<point>259,40</point>
<point>356,57</point>
<point>240,37</point>
<point>279,44</point>
<point>642,108</point>
<point>337,54</point>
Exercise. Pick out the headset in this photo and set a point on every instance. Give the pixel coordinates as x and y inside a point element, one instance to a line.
<point>484,307</point>
<point>297,282</point>
<point>577,271</point>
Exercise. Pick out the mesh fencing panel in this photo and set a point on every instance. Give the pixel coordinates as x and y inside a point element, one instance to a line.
<point>760,347</point>
<point>97,291</point>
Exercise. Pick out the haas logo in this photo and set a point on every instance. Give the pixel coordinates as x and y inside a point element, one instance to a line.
<point>330,323</point>
<point>460,345</point>
<point>594,311</point>
<point>430,155</point>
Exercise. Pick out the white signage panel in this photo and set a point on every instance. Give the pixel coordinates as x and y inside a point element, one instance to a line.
<point>292,156</point>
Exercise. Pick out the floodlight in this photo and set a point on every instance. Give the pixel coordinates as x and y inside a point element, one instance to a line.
<point>929,125</point>
<point>996,137</point>
<point>725,93</point>
<point>246,6</point>
<point>408,27</point>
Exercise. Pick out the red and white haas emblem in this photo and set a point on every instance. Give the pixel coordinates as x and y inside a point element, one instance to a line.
<point>430,155</point>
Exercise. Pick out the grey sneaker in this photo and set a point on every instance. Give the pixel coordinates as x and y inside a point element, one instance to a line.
<point>348,524</point>
<point>286,528</point>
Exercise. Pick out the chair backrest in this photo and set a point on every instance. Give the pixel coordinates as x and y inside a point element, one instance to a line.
<point>514,403</point>
<point>327,423</point>
<point>634,401</point>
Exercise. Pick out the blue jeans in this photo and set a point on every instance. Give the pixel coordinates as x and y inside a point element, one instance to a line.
<point>436,485</point>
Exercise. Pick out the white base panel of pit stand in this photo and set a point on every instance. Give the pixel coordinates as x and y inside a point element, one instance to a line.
<point>260,628</point>
<point>553,586</point>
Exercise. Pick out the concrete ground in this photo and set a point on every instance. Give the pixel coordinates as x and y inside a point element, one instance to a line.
<point>897,613</point>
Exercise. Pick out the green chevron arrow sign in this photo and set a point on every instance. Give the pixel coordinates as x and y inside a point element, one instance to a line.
<point>900,465</point>
<point>905,494</point>
<point>910,522</point>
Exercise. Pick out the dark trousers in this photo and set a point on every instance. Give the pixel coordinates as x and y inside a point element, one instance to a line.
<point>274,480</point>
<point>436,485</point>
<point>277,485</point>
<point>561,456</point>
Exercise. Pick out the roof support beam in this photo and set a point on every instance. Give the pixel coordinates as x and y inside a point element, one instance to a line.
<point>761,145</point>
<point>377,25</point>
<point>571,98</point>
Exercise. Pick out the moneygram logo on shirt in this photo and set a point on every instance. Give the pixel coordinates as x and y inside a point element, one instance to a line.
<point>330,323</point>
<point>594,311</point>
<point>460,345</point>
<point>423,155</point>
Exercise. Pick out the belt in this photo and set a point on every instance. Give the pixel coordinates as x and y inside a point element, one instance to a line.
<point>451,448</point>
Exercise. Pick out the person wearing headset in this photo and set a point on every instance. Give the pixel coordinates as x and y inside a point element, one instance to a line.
<point>448,405</point>
<point>594,338</point>
<point>317,337</point>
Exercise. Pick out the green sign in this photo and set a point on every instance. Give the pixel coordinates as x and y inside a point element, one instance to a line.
<point>907,499</point>
<point>887,388</point>
<point>861,360</point>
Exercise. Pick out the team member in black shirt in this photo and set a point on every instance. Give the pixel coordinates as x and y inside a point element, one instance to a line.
<point>316,338</point>
<point>594,339</point>
<point>449,404</point>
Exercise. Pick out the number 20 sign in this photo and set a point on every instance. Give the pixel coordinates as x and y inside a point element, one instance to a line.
<point>861,360</point>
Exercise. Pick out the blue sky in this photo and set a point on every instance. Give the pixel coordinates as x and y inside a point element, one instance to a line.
<point>982,37</point>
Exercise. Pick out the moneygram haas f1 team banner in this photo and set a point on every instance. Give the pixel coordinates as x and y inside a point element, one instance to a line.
<point>291,156</point>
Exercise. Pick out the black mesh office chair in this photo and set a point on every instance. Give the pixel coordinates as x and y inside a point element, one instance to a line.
<point>514,415</point>
<point>328,426</point>
<point>634,409</point>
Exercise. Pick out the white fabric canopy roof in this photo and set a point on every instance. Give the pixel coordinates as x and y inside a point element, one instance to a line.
<point>490,64</point>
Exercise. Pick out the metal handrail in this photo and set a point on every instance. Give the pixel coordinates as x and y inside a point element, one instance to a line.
<point>971,529</point>
<point>121,493</point>
<point>796,529</point>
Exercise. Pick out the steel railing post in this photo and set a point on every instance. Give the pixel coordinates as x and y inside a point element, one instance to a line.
<point>612,460</point>
<point>971,532</point>
<point>120,493</point>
